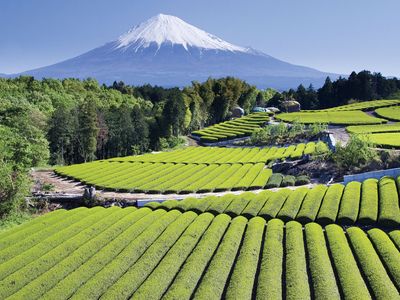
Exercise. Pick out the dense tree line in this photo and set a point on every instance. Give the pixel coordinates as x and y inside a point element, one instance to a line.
<point>82,120</point>
<point>362,86</point>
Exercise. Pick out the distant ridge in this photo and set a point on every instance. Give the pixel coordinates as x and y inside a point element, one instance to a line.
<point>167,51</point>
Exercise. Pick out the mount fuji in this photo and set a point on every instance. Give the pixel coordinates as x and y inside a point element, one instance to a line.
<point>167,51</point>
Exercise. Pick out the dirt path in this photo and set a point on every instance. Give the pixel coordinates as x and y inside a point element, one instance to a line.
<point>340,134</point>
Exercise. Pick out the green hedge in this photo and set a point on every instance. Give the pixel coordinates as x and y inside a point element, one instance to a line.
<point>373,270</point>
<point>244,273</point>
<point>322,275</point>
<point>296,280</point>
<point>389,211</point>
<point>269,285</point>
<point>213,282</point>
<point>351,283</point>
<point>350,203</point>
<point>186,281</point>
<point>274,181</point>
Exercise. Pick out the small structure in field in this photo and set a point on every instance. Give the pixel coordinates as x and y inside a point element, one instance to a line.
<point>237,112</point>
<point>290,106</point>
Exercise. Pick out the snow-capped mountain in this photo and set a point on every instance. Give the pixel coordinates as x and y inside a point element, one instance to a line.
<point>167,51</point>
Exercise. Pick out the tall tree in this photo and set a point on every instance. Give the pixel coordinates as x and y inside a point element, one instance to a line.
<point>88,130</point>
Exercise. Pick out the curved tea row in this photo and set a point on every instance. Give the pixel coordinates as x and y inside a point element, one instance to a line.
<point>133,253</point>
<point>369,203</point>
<point>192,170</point>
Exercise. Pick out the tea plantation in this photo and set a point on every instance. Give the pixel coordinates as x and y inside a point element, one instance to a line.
<point>236,128</point>
<point>190,170</point>
<point>355,117</point>
<point>114,253</point>
<point>390,113</point>
<point>371,202</point>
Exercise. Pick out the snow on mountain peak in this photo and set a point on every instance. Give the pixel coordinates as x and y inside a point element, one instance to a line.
<point>170,29</point>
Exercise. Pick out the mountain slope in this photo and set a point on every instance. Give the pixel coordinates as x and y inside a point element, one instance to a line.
<point>167,51</point>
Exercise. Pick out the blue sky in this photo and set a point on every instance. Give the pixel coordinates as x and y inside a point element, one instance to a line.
<point>335,36</point>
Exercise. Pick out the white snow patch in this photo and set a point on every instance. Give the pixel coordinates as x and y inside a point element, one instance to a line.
<point>165,28</point>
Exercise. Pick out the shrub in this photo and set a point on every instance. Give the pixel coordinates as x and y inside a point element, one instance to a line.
<point>69,285</point>
<point>388,253</point>
<point>160,278</point>
<point>302,180</point>
<point>369,202</point>
<point>350,203</point>
<point>187,279</point>
<point>356,153</point>
<point>373,270</point>
<point>292,204</point>
<point>244,272</point>
<point>311,204</point>
<point>330,204</point>
<point>256,204</point>
<point>352,283</point>
<point>296,280</point>
<point>288,180</point>
<point>274,204</point>
<point>170,224</point>
<point>389,211</point>
<point>214,280</point>
<point>322,275</point>
<point>269,284</point>
<point>274,181</point>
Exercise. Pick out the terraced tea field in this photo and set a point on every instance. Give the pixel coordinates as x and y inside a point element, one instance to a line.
<point>356,117</point>
<point>236,128</point>
<point>390,113</point>
<point>193,169</point>
<point>366,105</point>
<point>384,140</point>
<point>133,253</point>
<point>372,202</point>
<point>367,129</point>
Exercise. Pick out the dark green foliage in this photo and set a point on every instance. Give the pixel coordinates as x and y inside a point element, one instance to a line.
<point>302,180</point>
<point>274,181</point>
<point>288,180</point>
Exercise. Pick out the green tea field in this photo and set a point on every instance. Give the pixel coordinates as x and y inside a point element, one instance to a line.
<point>371,202</point>
<point>236,128</point>
<point>134,253</point>
<point>196,169</point>
<point>355,117</point>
